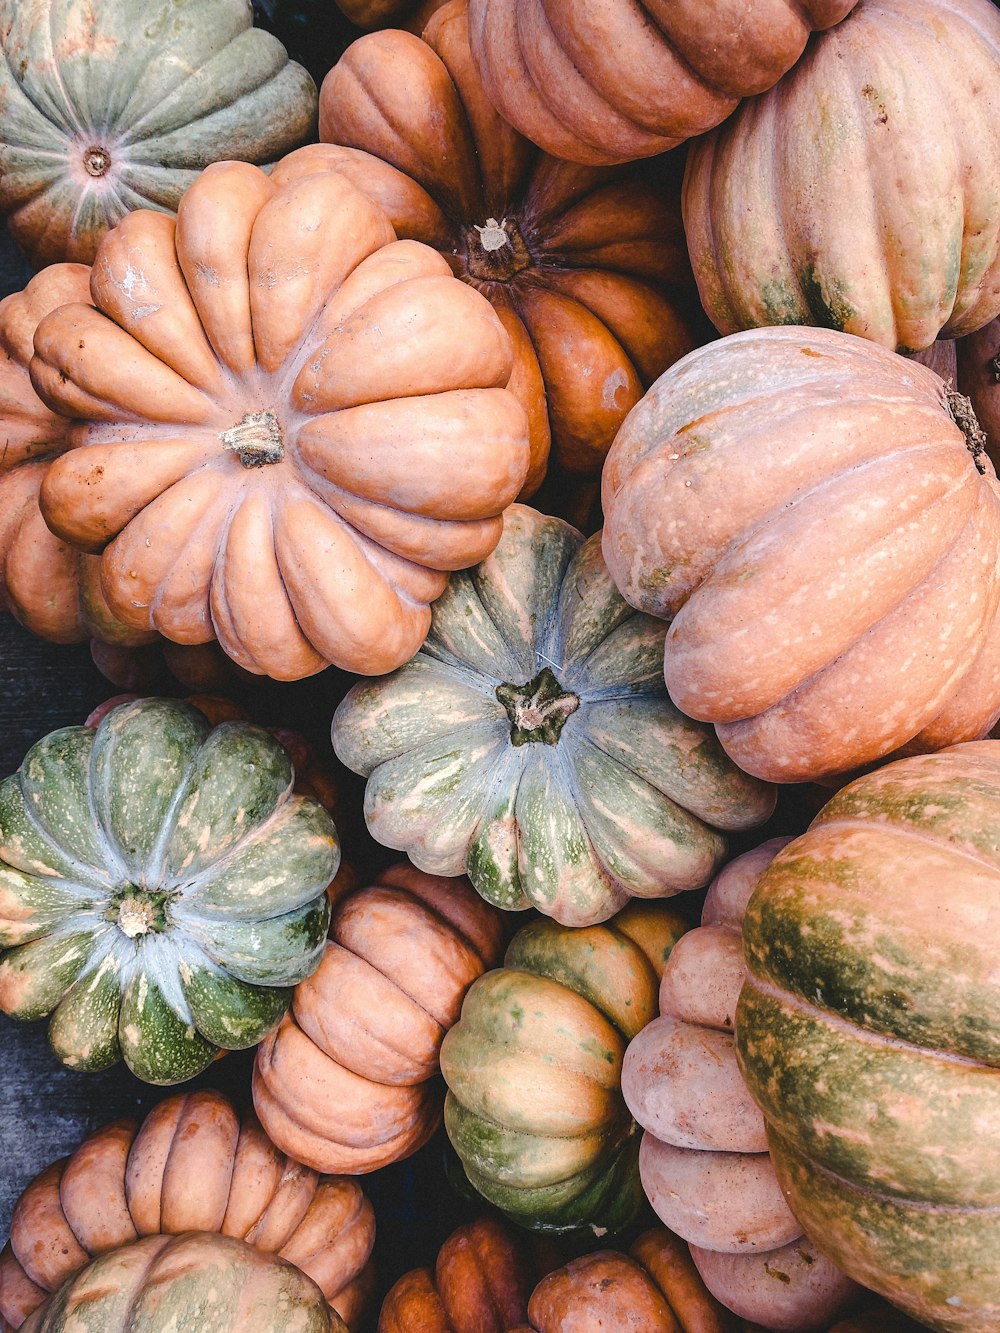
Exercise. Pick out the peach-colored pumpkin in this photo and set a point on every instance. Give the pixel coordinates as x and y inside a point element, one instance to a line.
<point>291,426</point>
<point>193,1165</point>
<point>348,1082</point>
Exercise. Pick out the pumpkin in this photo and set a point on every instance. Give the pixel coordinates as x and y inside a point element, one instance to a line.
<point>162,888</point>
<point>852,195</point>
<point>604,83</point>
<point>193,1165</point>
<point>348,1081</point>
<point>275,398</point>
<point>111,105</point>
<point>868,1031</point>
<point>163,1283</point>
<point>412,14</point>
<point>804,507</point>
<point>531,743</point>
<point>533,1066</point>
<point>586,267</point>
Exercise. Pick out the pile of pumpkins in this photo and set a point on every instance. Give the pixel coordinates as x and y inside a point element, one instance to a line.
<point>605,395</point>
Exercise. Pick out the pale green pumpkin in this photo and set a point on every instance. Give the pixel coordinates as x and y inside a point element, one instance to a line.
<point>531,742</point>
<point>111,105</point>
<point>161,888</point>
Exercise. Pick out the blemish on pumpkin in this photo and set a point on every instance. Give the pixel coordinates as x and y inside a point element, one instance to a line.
<point>775,1272</point>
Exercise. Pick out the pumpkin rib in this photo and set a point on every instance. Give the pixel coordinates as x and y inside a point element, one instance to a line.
<point>910,831</point>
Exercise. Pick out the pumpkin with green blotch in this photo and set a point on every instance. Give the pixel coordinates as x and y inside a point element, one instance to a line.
<point>531,742</point>
<point>199,1280</point>
<point>111,105</point>
<point>162,890</point>
<point>868,1031</point>
<point>533,1067</point>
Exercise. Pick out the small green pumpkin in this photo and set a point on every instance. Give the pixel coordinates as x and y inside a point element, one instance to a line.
<point>532,745</point>
<point>533,1066</point>
<point>111,105</point>
<point>161,888</point>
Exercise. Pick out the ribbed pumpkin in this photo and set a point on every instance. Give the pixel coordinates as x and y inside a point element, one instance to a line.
<point>275,399</point>
<point>612,82</point>
<point>703,1161</point>
<point>162,888</point>
<point>111,105</point>
<point>211,1283</point>
<point>587,268</point>
<point>531,742</point>
<point>193,1165</point>
<point>860,193</point>
<point>803,507</point>
<point>348,1082</point>
<point>869,1031</point>
<point>533,1067</point>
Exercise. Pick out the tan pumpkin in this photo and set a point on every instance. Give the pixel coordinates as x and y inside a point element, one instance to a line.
<point>605,83</point>
<point>193,1165</point>
<point>348,1082</point>
<point>803,507</point>
<point>274,400</point>
<point>587,268</point>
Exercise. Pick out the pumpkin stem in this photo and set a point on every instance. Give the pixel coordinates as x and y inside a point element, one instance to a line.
<point>537,710</point>
<point>255,440</point>
<point>496,251</point>
<point>964,417</point>
<point>96,161</point>
<point>137,913</point>
<point>994,367</point>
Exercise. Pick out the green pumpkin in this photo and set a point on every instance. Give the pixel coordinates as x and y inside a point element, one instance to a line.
<point>193,1283</point>
<point>531,743</point>
<point>869,1031</point>
<point>111,105</point>
<point>533,1067</point>
<point>161,888</point>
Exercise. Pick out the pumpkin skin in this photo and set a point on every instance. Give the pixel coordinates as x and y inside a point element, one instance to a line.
<point>193,1165</point>
<point>163,1283</point>
<point>478,761</point>
<point>587,268</point>
<point>867,1031</point>
<point>610,83</point>
<point>845,459</point>
<point>347,1083</point>
<point>556,1018</point>
<point>270,423</point>
<point>163,889</point>
<point>111,105</point>
<point>809,206</point>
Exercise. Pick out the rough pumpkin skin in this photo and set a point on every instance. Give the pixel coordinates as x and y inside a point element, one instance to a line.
<point>586,267</point>
<point>192,1165</point>
<point>556,1018</point>
<point>601,83</point>
<point>200,1280</point>
<point>803,507</point>
<point>161,888</point>
<point>867,1031</point>
<point>275,400</point>
<point>531,743</point>
<point>112,105</point>
<point>862,192</point>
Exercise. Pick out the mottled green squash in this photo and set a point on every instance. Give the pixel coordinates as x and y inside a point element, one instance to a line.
<point>869,1031</point>
<point>194,1283</point>
<point>531,743</point>
<point>533,1067</point>
<point>111,105</point>
<point>161,888</point>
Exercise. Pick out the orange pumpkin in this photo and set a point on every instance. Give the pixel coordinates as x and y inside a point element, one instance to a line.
<point>587,268</point>
<point>193,1165</point>
<point>348,1082</point>
<point>290,425</point>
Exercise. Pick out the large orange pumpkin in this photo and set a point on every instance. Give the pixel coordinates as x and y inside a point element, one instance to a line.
<point>586,267</point>
<point>803,507</point>
<point>193,1165</point>
<point>291,426</point>
<point>609,82</point>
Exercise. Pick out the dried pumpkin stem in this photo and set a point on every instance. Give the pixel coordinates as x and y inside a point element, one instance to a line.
<point>256,440</point>
<point>495,251</point>
<point>964,417</point>
<point>537,710</point>
<point>96,161</point>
